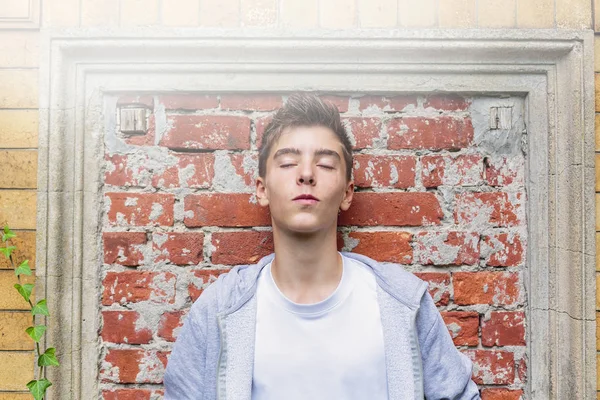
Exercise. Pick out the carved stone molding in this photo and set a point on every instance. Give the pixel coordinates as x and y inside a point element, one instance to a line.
<point>552,70</point>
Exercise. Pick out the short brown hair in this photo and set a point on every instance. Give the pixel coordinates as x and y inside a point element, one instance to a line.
<point>304,109</point>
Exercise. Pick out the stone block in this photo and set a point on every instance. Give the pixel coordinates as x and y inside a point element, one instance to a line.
<point>535,14</point>
<point>457,14</point>
<point>16,369</point>
<point>18,88</point>
<point>11,299</point>
<point>18,129</point>
<point>19,169</point>
<point>496,14</point>
<point>12,330</point>
<point>377,13</point>
<point>19,49</point>
<point>103,13</point>
<point>218,13</point>
<point>574,14</point>
<point>338,14</point>
<point>139,12</point>
<point>259,13</point>
<point>417,13</point>
<point>181,13</point>
<point>61,13</point>
<point>299,13</point>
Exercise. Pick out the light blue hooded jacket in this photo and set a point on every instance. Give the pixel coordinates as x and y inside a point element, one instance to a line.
<point>213,356</point>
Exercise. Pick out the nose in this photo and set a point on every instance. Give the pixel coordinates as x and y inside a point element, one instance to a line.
<point>305,175</point>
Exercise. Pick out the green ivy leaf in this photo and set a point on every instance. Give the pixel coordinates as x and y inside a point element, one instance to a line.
<point>8,234</point>
<point>7,251</point>
<point>24,290</point>
<point>36,332</point>
<point>48,358</point>
<point>38,388</point>
<point>40,308</point>
<point>23,268</point>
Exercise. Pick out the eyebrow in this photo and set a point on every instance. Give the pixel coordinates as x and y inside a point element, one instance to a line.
<point>297,152</point>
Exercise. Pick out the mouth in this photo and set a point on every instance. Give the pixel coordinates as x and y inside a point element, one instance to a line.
<point>306,199</point>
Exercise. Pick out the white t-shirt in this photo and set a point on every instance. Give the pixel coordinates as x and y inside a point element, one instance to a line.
<point>328,350</point>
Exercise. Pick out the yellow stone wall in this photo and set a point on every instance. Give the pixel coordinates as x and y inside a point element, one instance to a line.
<point>19,55</point>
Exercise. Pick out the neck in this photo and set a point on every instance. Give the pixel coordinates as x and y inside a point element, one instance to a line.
<point>307,268</point>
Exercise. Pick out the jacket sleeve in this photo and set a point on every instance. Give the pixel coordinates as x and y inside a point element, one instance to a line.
<point>184,377</point>
<point>446,371</point>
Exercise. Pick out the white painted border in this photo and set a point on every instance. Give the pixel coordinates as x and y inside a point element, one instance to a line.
<point>553,69</point>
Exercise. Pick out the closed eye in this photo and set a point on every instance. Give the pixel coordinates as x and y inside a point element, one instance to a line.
<point>326,166</point>
<point>287,165</point>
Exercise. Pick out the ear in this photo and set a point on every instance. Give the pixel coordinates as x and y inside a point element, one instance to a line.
<point>348,195</point>
<point>261,192</point>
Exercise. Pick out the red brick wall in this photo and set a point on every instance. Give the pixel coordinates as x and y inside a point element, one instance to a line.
<point>180,210</point>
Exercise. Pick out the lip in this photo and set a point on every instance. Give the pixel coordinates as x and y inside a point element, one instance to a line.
<point>306,197</point>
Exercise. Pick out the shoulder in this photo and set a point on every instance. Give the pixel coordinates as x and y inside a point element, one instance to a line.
<point>401,284</point>
<point>229,288</point>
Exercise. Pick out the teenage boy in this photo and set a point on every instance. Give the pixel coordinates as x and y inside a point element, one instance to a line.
<point>308,322</point>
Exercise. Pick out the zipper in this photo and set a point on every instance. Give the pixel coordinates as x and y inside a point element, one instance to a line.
<point>222,340</point>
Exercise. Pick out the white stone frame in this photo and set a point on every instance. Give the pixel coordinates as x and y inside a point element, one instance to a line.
<point>552,69</point>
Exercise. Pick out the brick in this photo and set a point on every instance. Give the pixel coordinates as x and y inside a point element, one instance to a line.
<point>596,123</point>
<point>494,14</point>
<point>393,209</point>
<point>124,248</point>
<point>299,13</point>
<point>495,208</point>
<point>260,125</point>
<point>384,171</point>
<point>127,394</point>
<point>383,246</point>
<point>447,248</point>
<point>135,286</point>
<point>217,13</point>
<point>207,132</point>
<point>337,14</point>
<point>366,132</point>
<point>439,286</point>
<point>597,253</point>
<point>574,14</point>
<point>25,250</point>
<point>181,13</point>
<point>446,102</point>
<point>140,209</point>
<point>504,329</point>
<point>495,288</point>
<point>417,13</point>
<point>11,299</point>
<point>457,14</point>
<point>501,394</point>
<point>233,248</point>
<point>503,171</point>
<point>462,170</point>
<point>246,167</point>
<point>19,49</point>
<point>202,279</point>
<point>16,369</point>
<point>18,129</point>
<point>18,88</point>
<point>181,248</point>
<point>390,104</point>
<point>64,13</point>
<point>258,13</point>
<point>139,12</point>
<point>251,102</point>
<point>439,133</point>
<point>170,323</point>
<point>191,170</point>
<point>502,250</point>
<point>12,330</point>
<point>377,13</point>
<point>121,327</point>
<point>189,102</point>
<point>535,14</point>
<point>463,326</point>
<point>492,367</point>
<point>522,370</point>
<point>224,209</point>
<point>100,12</point>
<point>126,170</point>
<point>133,366</point>
<point>341,102</point>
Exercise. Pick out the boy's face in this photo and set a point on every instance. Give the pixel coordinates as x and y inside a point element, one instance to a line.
<point>305,181</point>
